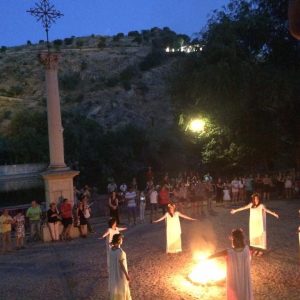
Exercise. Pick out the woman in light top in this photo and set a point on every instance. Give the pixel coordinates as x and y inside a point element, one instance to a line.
<point>257,223</point>
<point>109,233</point>
<point>173,228</point>
<point>118,282</point>
<point>238,258</point>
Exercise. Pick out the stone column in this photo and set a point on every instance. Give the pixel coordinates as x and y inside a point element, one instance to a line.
<point>58,178</point>
<point>55,129</point>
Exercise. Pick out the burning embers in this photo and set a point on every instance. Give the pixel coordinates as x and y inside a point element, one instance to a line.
<point>207,271</point>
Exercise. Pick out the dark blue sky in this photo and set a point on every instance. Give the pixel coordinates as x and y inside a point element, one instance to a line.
<point>106,17</point>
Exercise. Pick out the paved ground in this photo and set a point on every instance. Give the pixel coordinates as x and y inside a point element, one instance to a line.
<point>77,269</point>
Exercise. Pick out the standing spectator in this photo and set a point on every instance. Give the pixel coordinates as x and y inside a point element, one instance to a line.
<point>34,214</point>
<point>149,174</point>
<point>5,225</point>
<point>219,190</point>
<point>258,184</point>
<point>19,222</point>
<point>112,186</point>
<point>248,187</point>
<point>235,189</point>
<point>164,198</point>
<point>123,188</point>
<point>118,272</point>
<point>267,186</point>
<point>130,197</point>
<point>113,204</point>
<point>242,189</point>
<point>134,184</point>
<point>87,193</point>
<point>67,219</point>
<point>87,214</point>
<point>82,219</point>
<point>226,194</point>
<point>142,204</point>
<point>153,195</point>
<point>53,222</point>
<point>288,185</point>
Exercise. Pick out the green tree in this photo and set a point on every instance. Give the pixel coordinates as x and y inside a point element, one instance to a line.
<point>246,80</point>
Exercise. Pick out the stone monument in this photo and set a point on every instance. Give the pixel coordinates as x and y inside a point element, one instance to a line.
<point>58,178</point>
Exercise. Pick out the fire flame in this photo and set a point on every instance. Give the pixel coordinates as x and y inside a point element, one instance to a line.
<point>207,271</point>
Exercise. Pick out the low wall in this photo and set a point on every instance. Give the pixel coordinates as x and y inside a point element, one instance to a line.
<point>24,169</point>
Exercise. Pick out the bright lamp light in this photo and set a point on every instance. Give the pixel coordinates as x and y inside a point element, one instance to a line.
<point>197,125</point>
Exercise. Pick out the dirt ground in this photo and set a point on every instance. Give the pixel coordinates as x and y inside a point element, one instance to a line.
<point>77,269</point>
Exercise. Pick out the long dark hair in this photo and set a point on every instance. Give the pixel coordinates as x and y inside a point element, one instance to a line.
<point>254,205</point>
<point>111,222</point>
<point>238,238</point>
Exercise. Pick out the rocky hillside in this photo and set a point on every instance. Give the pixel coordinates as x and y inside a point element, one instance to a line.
<point>113,80</point>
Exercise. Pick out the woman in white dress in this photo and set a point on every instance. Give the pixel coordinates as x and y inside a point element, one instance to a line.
<point>173,228</point>
<point>109,233</point>
<point>118,272</point>
<point>238,258</point>
<point>257,223</point>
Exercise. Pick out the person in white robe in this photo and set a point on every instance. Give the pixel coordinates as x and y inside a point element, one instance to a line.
<point>109,233</point>
<point>118,271</point>
<point>238,259</point>
<point>173,228</point>
<point>257,223</point>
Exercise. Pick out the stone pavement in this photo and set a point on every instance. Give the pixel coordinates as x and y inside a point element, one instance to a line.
<point>77,269</point>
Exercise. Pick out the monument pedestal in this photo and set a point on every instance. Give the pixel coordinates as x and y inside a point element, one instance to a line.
<point>59,185</point>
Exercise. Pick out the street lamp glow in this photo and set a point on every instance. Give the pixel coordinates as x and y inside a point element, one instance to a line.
<point>197,125</point>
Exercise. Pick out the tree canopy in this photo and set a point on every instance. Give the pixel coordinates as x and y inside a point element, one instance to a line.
<point>246,80</point>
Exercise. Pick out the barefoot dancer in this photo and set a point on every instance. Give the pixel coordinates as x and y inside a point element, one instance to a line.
<point>257,223</point>
<point>173,228</point>
<point>110,232</point>
<point>118,272</point>
<point>238,279</point>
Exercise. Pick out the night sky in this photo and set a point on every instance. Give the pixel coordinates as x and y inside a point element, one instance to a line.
<point>105,17</point>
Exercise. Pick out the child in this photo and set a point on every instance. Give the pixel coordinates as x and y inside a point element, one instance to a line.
<point>19,221</point>
<point>238,280</point>
<point>110,232</point>
<point>173,228</point>
<point>142,207</point>
<point>226,195</point>
<point>118,273</point>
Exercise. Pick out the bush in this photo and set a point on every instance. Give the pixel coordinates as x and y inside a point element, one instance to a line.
<point>138,39</point>
<point>128,73</point>
<point>112,81</point>
<point>102,43</point>
<point>57,42</point>
<point>153,59</point>
<point>126,85</point>
<point>29,43</point>
<point>79,43</point>
<point>41,42</point>
<point>133,33</point>
<point>69,81</point>
<point>118,36</point>
<point>3,49</point>
<point>68,41</point>
<point>15,90</point>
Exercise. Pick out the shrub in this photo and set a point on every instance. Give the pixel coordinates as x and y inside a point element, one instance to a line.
<point>69,81</point>
<point>3,49</point>
<point>128,73</point>
<point>133,33</point>
<point>112,81</point>
<point>41,42</point>
<point>68,41</point>
<point>29,43</point>
<point>153,59</point>
<point>79,43</point>
<point>102,43</point>
<point>57,42</point>
<point>138,39</point>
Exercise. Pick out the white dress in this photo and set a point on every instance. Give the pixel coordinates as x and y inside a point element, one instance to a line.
<point>257,227</point>
<point>173,233</point>
<point>226,195</point>
<point>109,237</point>
<point>118,284</point>
<point>238,280</point>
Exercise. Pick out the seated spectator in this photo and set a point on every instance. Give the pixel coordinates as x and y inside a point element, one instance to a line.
<point>67,219</point>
